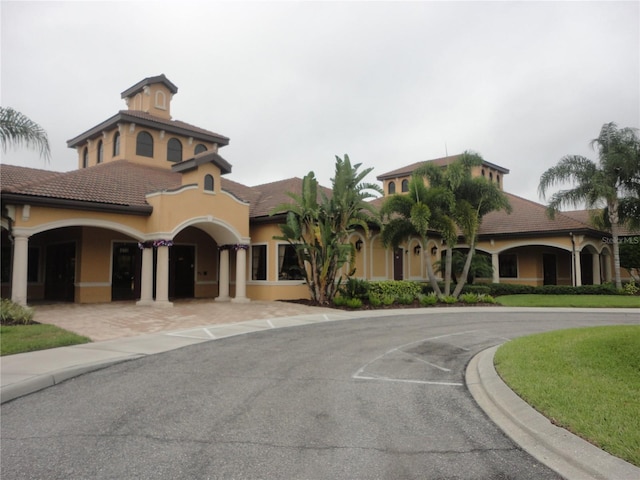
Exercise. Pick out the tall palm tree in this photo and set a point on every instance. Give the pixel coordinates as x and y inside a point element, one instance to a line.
<point>318,225</point>
<point>604,184</point>
<point>417,213</point>
<point>16,129</point>
<point>473,198</point>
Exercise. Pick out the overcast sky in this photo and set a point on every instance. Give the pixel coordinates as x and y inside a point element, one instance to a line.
<point>293,84</point>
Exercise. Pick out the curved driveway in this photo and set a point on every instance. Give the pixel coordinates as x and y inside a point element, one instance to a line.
<point>356,399</point>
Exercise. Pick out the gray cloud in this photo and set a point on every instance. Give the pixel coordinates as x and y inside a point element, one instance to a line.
<point>295,83</point>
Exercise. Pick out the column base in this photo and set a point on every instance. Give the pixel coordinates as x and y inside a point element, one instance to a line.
<point>240,300</point>
<point>222,299</point>
<point>162,304</point>
<point>143,303</point>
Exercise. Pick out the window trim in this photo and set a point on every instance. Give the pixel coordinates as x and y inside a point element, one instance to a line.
<point>502,267</point>
<point>174,141</point>
<point>213,183</point>
<point>278,266</point>
<point>266,262</point>
<point>391,187</point>
<point>116,144</point>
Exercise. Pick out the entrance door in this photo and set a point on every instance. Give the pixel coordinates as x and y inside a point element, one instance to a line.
<point>549,269</point>
<point>182,269</point>
<point>60,275</point>
<point>127,260</point>
<point>398,273</point>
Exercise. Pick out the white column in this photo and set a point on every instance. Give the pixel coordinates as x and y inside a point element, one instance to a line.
<point>495,262</point>
<point>241,277</point>
<point>146,280</point>
<point>20,265</point>
<point>596,268</point>
<point>223,277</point>
<point>162,278</point>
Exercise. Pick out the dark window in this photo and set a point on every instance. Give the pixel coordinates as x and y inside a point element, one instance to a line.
<point>144,145</point>
<point>200,148</point>
<point>116,144</point>
<point>5,264</point>
<point>483,172</point>
<point>85,158</point>
<point>498,179</point>
<point>100,151</point>
<point>392,188</point>
<point>288,268</point>
<point>208,183</point>
<point>174,150</point>
<point>405,185</point>
<point>258,262</point>
<point>491,176</point>
<point>508,265</point>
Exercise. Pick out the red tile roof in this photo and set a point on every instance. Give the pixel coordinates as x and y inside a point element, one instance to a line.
<point>438,162</point>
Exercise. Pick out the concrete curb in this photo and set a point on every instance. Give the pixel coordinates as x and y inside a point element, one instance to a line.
<point>565,453</point>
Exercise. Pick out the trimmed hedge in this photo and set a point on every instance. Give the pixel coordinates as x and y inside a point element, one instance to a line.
<point>395,288</point>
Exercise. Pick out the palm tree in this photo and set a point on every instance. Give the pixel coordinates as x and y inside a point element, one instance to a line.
<point>605,184</point>
<point>474,197</point>
<point>318,226</point>
<point>417,213</point>
<point>16,129</point>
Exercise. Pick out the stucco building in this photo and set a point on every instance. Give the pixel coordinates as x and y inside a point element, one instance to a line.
<point>148,215</point>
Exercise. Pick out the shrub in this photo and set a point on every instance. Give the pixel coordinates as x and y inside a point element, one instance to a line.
<point>13,314</point>
<point>374,300</point>
<point>339,301</point>
<point>497,289</point>
<point>449,299</point>
<point>428,300</point>
<point>387,300</point>
<point>354,303</point>
<point>479,289</point>
<point>406,299</point>
<point>355,288</point>
<point>469,298</point>
<point>396,288</point>
<point>630,288</point>
<point>482,298</point>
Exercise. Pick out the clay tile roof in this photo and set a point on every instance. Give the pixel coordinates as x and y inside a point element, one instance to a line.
<point>438,162</point>
<point>12,177</point>
<point>152,121</point>
<point>528,217</point>
<point>116,183</point>
<point>150,81</point>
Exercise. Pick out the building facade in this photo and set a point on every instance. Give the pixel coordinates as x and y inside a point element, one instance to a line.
<point>149,216</point>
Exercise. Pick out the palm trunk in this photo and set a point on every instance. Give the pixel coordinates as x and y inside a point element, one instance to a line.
<point>432,278</point>
<point>447,271</point>
<point>465,270</point>
<point>615,228</point>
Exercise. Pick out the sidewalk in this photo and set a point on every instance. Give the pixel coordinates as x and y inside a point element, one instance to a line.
<point>121,332</point>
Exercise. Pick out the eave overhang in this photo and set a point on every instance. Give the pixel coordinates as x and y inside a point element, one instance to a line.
<point>19,199</point>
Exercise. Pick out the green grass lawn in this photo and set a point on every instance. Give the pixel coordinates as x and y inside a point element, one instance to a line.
<point>587,301</point>
<point>28,338</point>
<point>585,380</point>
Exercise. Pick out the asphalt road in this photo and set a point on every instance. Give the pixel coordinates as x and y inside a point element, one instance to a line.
<point>380,398</point>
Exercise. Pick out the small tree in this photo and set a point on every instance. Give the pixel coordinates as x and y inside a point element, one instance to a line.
<point>630,256</point>
<point>318,225</point>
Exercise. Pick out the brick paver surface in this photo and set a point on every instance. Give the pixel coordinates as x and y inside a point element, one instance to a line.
<point>125,319</point>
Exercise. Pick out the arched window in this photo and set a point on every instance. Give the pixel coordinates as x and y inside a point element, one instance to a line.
<point>144,145</point>
<point>174,150</point>
<point>491,176</point>
<point>116,144</point>
<point>483,172</point>
<point>392,188</point>
<point>405,185</point>
<point>208,183</point>
<point>498,179</point>
<point>199,149</point>
<point>100,151</point>
<point>85,158</point>
<point>161,100</point>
